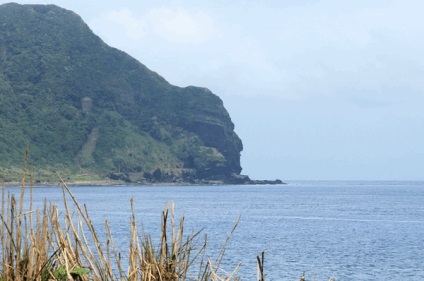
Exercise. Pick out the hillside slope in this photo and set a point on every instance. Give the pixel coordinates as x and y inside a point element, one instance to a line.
<point>86,108</point>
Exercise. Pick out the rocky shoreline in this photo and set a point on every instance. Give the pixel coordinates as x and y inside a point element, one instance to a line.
<point>191,179</point>
<point>108,182</point>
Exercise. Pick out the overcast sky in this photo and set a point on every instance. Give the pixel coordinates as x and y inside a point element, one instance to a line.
<point>316,89</point>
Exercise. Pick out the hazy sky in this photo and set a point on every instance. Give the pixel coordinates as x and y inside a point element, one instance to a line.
<point>316,89</point>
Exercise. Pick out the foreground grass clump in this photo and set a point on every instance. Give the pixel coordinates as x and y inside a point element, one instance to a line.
<point>51,245</point>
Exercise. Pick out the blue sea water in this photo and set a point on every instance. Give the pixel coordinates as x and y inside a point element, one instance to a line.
<point>342,229</point>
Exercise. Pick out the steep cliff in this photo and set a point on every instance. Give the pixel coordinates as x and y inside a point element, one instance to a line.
<point>86,108</point>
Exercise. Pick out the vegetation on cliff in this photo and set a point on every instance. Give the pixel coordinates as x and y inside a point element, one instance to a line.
<point>86,108</point>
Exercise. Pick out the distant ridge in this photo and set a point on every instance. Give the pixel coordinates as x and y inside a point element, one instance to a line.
<point>89,110</point>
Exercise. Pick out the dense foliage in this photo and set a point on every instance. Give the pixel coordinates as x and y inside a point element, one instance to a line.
<point>84,107</point>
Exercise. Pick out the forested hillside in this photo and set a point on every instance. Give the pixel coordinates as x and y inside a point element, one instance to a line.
<point>85,108</point>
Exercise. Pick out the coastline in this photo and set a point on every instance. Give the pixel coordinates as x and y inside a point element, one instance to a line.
<point>108,182</point>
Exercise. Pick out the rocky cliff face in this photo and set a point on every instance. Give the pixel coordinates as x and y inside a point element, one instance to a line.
<point>84,107</point>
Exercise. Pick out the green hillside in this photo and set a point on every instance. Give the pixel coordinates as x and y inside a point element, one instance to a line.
<point>85,108</point>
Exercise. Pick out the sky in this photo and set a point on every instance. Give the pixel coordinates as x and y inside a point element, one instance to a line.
<point>318,90</point>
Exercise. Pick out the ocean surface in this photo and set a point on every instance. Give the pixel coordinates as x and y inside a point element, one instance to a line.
<point>348,230</point>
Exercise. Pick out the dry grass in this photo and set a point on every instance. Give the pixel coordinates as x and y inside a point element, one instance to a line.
<point>44,245</point>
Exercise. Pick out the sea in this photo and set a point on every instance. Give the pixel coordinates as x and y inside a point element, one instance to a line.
<point>347,230</point>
